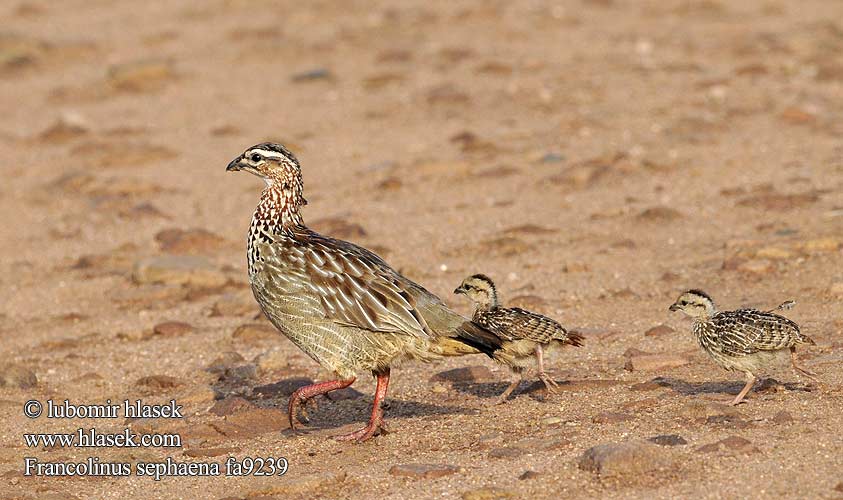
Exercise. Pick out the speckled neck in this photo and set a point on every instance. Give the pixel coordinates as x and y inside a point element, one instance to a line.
<point>276,216</point>
<point>278,208</point>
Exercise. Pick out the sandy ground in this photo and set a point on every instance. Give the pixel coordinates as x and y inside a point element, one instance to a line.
<point>595,157</point>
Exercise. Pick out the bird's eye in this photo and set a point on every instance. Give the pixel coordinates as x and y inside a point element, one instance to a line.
<point>256,157</point>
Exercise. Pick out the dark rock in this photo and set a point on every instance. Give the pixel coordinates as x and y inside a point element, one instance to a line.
<point>231,405</point>
<point>225,361</point>
<point>702,410</point>
<point>312,75</point>
<point>255,332</point>
<point>783,417</point>
<point>506,452</point>
<point>660,214</point>
<point>447,94</point>
<point>609,417</point>
<point>668,440</point>
<point>239,373</point>
<point>172,329</point>
<point>423,471</point>
<point>17,376</point>
<point>190,241</point>
<point>779,201</point>
<point>629,460</point>
<point>731,421</point>
<point>158,382</point>
<point>282,388</point>
<point>530,474</point>
<point>733,443</point>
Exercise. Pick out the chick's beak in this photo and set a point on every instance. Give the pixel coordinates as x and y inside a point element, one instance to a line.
<point>459,290</point>
<point>673,307</point>
<point>234,166</point>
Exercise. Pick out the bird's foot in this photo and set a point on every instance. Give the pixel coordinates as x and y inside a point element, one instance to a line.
<point>304,416</point>
<point>303,395</point>
<point>807,373</point>
<point>737,401</point>
<point>374,428</point>
<point>549,383</point>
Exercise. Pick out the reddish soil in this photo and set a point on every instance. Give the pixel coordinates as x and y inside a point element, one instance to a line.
<point>595,157</point>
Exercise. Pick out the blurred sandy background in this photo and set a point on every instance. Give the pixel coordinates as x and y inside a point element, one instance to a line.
<point>595,157</point>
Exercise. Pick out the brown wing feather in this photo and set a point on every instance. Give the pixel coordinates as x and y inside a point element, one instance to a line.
<point>748,331</point>
<point>516,324</point>
<point>354,286</point>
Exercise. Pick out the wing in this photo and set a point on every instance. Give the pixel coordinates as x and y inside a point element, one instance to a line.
<point>747,331</point>
<point>517,324</point>
<point>354,286</point>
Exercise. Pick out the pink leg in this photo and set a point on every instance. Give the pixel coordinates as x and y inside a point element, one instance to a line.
<point>548,382</point>
<point>515,381</point>
<point>750,381</point>
<point>303,394</point>
<point>376,421</point>
<point>811,375</point>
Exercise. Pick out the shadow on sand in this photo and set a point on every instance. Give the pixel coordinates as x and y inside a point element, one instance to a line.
<point>764,385</point>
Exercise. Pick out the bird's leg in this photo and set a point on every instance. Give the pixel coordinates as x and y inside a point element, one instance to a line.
<point>750,381</point>
<point>548,382</point>
<point>517,378</point>
<point>303,394</point>
<point>376,421</point>
<point>811,375</point>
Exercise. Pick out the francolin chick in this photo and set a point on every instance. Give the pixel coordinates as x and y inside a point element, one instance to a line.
<point>745,340</point>
<point>338,302</point>
<point>525,335</point>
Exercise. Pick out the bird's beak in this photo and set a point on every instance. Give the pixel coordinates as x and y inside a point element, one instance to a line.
<point>459,290</point>
<point>234,166</point>
<point>673,308</point>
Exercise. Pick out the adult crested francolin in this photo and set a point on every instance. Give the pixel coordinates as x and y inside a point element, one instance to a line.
<point>340,303</point>
<point>745,340</point>
<point>525,335</point>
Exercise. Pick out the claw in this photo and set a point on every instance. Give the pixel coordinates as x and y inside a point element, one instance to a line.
<point>549,383</point>
<point>304,395</point>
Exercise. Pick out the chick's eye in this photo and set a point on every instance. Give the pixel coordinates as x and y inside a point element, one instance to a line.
<point>255,157</point>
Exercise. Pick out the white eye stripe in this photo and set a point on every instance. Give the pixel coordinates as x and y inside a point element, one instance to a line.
<point>265,153</point>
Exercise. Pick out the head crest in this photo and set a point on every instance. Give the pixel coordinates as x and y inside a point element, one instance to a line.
<point>699,292</point>
<point>274,147</point>
<point>483,277</point>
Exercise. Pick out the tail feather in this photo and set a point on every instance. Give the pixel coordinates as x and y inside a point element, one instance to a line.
<point>478,337</point>
<point>575,339</point>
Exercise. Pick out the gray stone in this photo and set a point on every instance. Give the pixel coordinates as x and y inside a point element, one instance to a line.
<point>630,459</point>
